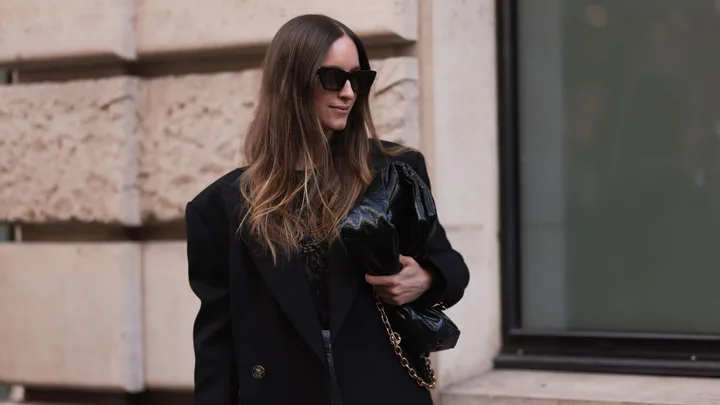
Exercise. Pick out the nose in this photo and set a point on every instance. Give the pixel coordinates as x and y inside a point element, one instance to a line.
<point>347,91</point>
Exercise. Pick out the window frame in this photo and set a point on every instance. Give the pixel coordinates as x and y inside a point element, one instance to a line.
<point>591,351</point>
<point>5,389</point>
<point>6,230</point>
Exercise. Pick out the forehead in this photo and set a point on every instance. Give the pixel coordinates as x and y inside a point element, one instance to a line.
<point>343,54</point>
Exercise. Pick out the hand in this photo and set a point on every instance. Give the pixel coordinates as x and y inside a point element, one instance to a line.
<point>408,285</point>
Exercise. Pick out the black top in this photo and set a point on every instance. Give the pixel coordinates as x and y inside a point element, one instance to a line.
<point>315,259</point>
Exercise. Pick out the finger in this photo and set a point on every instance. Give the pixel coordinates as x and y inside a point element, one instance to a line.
<point>390,292</point>
<point>389,299</point>
<point>380,280</point>
<point>406,261</point>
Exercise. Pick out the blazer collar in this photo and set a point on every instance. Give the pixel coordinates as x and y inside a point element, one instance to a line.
<point>377,158</point>
<point>289,287</point>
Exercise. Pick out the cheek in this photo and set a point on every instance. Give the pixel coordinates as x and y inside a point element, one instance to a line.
<point>319,99</point>
<point>321,107</point>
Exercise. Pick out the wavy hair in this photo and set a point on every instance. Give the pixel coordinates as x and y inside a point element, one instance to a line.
<point>300,180</point>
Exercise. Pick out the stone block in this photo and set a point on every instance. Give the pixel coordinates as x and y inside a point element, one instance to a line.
<point>193,126</point>
<point>169,309</point>
<point>192,132</point>
<point>33,31</point>
<point>177,26</point>
<point>69,151</point>
<point>71,315</point>
<point>395,100</point>
<point>465,111</point>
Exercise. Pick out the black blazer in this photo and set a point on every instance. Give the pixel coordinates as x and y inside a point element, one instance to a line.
<point>256,336</point>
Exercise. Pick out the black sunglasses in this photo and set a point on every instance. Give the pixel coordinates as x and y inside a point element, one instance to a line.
<point>333,79</point>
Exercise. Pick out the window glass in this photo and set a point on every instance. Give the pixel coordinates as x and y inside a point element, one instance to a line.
<point>619,128</point>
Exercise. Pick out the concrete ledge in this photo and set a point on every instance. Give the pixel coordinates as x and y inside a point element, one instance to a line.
<point>169,309</point>
<point>193,126</point>
<point>68,151</point>
<point>71,315</point>
<point>548,388</point>
<point>177,27</point>
<point>33,31</point>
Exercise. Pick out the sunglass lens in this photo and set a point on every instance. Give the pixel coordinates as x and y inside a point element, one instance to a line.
<point>332,79</point>
<point>362,80</point>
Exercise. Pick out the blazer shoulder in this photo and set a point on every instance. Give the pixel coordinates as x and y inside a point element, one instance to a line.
<point>408,155</point>
<point>214,195</point>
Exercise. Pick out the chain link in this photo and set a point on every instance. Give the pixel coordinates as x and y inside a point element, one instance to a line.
<point>395,340</point>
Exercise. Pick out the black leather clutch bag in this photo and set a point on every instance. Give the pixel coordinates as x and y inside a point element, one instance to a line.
<point>395,216</point>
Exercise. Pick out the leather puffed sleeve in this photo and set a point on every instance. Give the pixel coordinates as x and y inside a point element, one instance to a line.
<point>451,275</point>
<point>215,371</point>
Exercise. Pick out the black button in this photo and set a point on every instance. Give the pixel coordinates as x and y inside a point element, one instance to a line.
<point>258,372</point>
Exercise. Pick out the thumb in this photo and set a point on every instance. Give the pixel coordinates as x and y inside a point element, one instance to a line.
<point>406,261</point>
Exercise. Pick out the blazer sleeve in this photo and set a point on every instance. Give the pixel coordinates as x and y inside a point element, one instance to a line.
<point>450,273</point>
<point>215,371</point>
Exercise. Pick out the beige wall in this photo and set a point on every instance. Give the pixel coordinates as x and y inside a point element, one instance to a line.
<point>86,149</point>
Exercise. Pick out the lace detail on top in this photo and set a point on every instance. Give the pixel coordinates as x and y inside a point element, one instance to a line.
<point>316,271</point>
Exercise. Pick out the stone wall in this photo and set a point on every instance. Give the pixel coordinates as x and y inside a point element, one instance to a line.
<point>129,151</point>
<point>69,151</point>
<point>123,110</point>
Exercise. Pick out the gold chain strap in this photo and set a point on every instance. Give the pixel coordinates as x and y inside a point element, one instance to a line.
<point>395,343</point>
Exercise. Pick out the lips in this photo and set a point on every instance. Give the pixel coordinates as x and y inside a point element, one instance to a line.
<point>340,109</point>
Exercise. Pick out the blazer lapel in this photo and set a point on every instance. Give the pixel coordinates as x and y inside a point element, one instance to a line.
<point>288,285</point>
<point>344,279</point>
<point>377,159</point>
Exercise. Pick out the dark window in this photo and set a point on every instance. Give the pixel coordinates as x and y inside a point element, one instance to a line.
<point>5,233</point>
<point>610,129</point>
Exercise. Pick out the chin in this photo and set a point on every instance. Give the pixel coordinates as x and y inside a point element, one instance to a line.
<point>336,125</point>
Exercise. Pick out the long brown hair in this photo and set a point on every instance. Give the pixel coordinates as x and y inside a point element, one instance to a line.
<point>284,204</point>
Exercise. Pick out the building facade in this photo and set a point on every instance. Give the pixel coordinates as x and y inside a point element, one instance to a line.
<point>558,133</point>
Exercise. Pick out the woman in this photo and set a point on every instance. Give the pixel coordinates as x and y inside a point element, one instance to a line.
<point>286,317</point>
